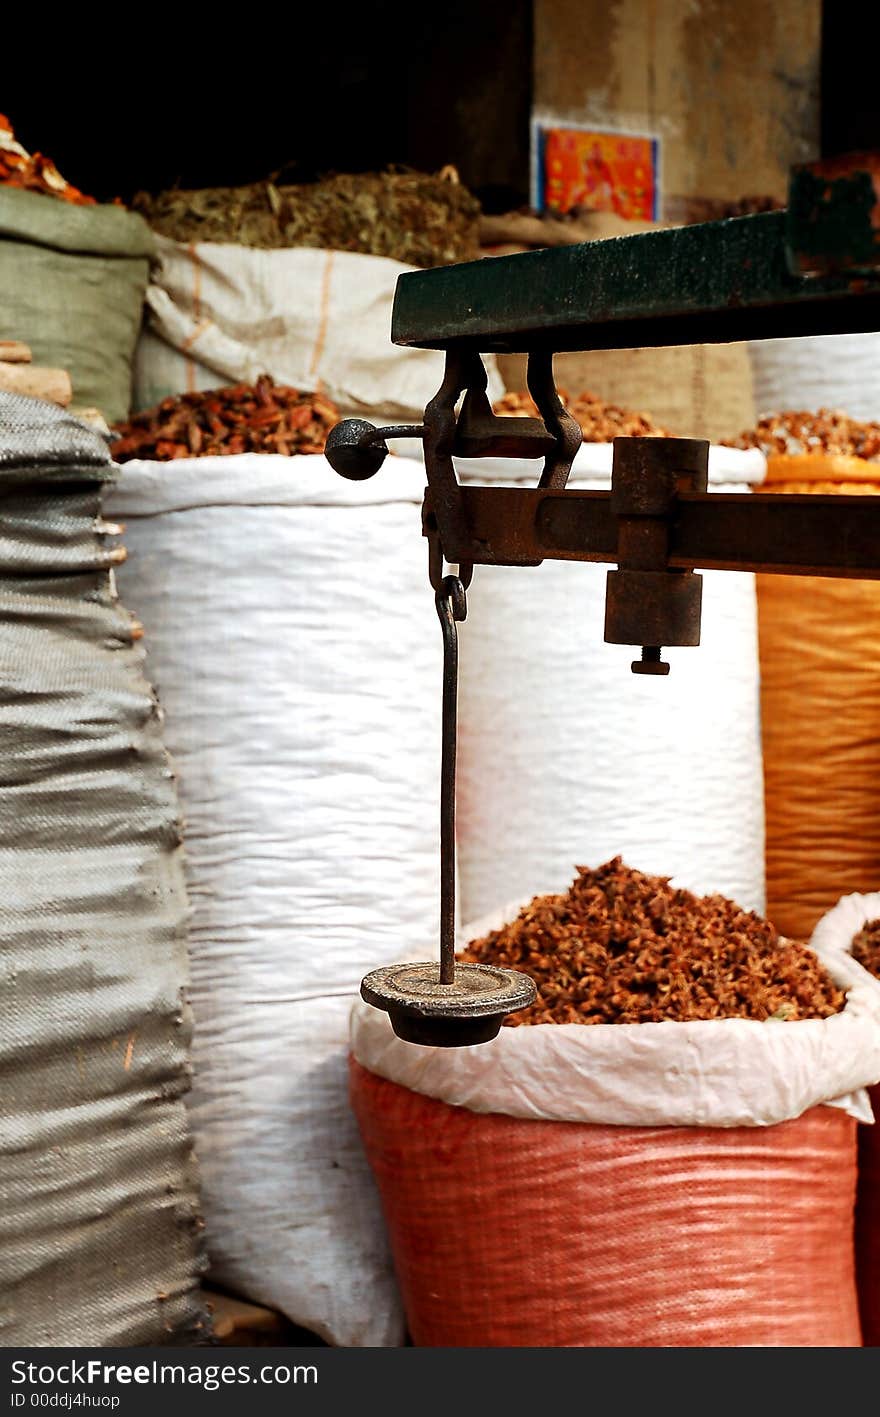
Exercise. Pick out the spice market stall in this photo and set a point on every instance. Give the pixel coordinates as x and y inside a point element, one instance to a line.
<point>664,1019</point>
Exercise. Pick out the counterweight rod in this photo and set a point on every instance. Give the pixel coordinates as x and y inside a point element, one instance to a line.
<point>451,602</point>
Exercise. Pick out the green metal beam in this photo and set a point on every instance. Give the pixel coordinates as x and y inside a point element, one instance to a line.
<point>702,284</point>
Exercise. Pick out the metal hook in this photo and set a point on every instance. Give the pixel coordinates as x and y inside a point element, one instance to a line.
<point>436,559</point>
<point>461,1005</point>
<point>452,592</point>
<point>451,602</point>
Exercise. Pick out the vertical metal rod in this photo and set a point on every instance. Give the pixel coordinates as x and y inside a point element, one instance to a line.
<point>451,606</point>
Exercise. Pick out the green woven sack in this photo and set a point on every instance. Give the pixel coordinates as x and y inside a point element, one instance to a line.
<point>72,284</point>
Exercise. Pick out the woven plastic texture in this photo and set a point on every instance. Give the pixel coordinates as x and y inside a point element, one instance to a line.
<point>293,640</point>
<point>100,1233</point>
<point>514,1233</point>
<point>825,371</point>
<point>566,758</point>
<point>74,280</point>
<point>820,686</point>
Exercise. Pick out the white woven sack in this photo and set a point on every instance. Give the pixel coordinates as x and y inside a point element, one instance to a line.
<point>566,758</point>
<point>219,314</point>
<point>833,934</point>
<point>293,641</point>
<point>709,1073</point>
<point>826,371</point>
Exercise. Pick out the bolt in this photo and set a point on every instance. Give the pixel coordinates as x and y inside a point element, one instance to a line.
<point>650,662</point>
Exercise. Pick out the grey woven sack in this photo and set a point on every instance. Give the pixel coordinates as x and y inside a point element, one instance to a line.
<point>100,1231</point>
<point>72,286</point>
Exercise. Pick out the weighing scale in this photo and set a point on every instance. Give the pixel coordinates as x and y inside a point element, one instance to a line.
<point>811,269</point>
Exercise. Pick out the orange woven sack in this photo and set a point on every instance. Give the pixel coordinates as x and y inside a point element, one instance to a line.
<point>819,644</point>
<point>510,1232</point>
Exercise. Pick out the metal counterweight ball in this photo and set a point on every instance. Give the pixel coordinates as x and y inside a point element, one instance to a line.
<point>351,454</point>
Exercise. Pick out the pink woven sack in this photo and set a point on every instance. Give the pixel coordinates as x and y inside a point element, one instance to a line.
<point>624,1185</point>
<point>509,1232</point>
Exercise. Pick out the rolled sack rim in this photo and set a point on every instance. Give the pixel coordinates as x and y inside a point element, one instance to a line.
<point>150,487</point>
<point>702,1073</point>
<point>833,934</point>
<point>146,488</point>
<point>727,466</point>
<point>820,467</point>
<point>104,229</point>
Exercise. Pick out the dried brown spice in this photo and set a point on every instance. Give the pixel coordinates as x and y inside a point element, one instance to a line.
<point>621,946</point>
<point>600,421</point>
<point>241,418</point>
<point>420,218</point>
<point>865,948</point>
<point>827,431</point>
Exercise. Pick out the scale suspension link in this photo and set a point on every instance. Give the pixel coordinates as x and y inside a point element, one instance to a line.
<point>451,602</point>
<point>450,1005</point>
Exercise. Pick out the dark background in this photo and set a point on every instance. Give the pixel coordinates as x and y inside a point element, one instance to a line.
<point>224,102</point>
<point>850,112</point>
<point>321,90</point>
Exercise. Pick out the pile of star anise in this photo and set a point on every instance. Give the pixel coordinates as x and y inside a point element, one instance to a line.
<point>620,946</point>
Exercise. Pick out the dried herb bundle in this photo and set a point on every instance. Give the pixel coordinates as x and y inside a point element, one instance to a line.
<point>242,418</point>
<point>414,217</point>
<point>866,947</point>
<point>624,947</point>
<point>827,431</point>
<point>600,421</point>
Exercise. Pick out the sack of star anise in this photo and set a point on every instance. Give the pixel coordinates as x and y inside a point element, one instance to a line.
<point>661,1152</point>
<point>852,927</point>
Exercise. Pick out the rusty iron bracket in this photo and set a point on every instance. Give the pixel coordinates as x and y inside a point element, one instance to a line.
<point>555,436</point>
<point>567,432</point>
<point>478,432</point>
<point>807,534</point>
<point>356,449</point>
